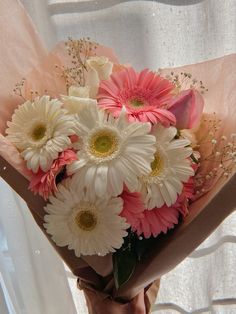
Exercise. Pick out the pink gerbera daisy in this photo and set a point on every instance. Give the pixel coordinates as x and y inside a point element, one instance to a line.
<point>183,200</point>
<point>44,183</point>
<point>158,220</point>
<point>133,207</point>
<point>143,94</point>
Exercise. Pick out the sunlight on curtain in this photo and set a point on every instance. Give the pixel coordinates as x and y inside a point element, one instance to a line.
<point>32,277</point>
<point>151,34</point>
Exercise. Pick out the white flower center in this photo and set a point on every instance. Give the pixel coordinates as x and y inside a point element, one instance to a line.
<point>38,132</point>
<point>86,220</point>
<point>157,165</point>
<point>157,174</point>
<point>103,143</point>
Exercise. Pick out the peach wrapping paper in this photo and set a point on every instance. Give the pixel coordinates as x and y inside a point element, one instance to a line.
<point>20,50</point>
<point>23,55</point>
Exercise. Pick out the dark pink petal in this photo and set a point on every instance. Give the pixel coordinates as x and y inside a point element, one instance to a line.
<point>133,207</point>
<point>44,183</point>
<point>187,108</point>
<point>158,220</point>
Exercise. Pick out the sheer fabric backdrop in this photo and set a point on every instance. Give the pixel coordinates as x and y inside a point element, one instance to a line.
<point>153,34</point>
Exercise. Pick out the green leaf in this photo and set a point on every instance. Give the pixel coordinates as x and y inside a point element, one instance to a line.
<point>194,159</point>
<point>124,261</point>
<point>141,247</point>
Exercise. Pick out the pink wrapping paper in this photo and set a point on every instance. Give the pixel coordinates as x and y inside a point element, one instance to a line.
<point>23,55</point>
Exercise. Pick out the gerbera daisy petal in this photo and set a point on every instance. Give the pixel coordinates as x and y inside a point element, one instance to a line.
<point>115,179</point>
<point>169,198</point>
<point>156,221</point>
<point>101,180</point>
<point>90,175</point>
<point>44,183</point>
<point>164,116</point>
<point>144,78</point>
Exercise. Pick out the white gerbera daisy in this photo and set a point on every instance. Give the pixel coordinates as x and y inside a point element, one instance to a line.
<point>170,168</point>
<point>40,130</point>
<point>113,152</point>
<point>86,225</point>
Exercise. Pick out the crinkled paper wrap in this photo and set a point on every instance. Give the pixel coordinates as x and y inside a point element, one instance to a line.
<point>23,55</point>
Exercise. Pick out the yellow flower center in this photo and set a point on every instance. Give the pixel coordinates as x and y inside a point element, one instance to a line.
<point>38,132</point>
<point>103,143</point>
<point>157,165</point>
<point>136,103</point>
<point>86,220</point>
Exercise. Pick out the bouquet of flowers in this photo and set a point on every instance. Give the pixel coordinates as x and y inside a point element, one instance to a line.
<point>117,159</point>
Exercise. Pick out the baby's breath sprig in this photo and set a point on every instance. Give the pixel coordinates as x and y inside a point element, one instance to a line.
<point>221,155</point>
<point>79,51</point>
<point>185,80</point>
<point>18,89</point>
<point>33,94</point>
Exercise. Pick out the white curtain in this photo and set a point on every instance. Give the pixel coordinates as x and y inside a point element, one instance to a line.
<point>32,277</point>
<point>153,34</point>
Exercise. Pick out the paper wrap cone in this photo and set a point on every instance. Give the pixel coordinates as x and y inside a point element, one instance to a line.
<point>23,55</point>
